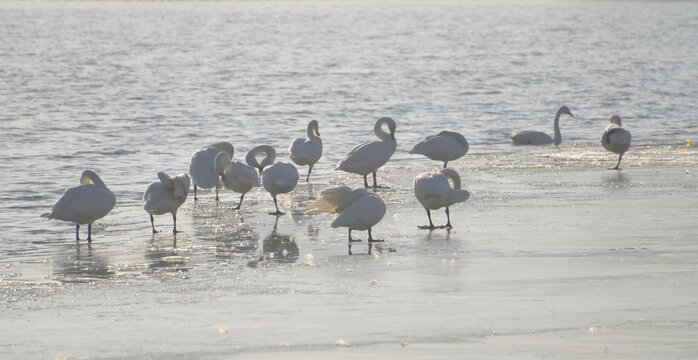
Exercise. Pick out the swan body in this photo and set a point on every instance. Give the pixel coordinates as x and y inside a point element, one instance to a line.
<point>307,151</point>
<point>166,196</point>
<point>236,175</point>
<point>277,178</point>
<point>529,137</point>
<point>433,191</point>
<point>83,204</point>
<point>444,146</point>
<point>358,210</point>
<point>616,139</point>
<point>367,157</point>
<point>202,166</point>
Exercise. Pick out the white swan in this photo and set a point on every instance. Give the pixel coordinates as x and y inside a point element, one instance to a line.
<point>202,166</point>
<point>83,204</point>
<point>236,176</point>
<point>278,178</point>
<point>358,210</point>
<point>166,196</point>
<point>616,139</point>
<point>307,151</point>
<point>444,146</point>
<point>529,137</point>
<point>367,157</point>
<point>434,192</point>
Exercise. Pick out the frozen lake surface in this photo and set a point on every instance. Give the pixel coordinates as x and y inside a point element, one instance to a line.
<point>552,255</point>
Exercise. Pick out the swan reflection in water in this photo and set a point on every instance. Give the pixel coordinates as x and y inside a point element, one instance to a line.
<point>239,242</point>
<point>81,264</point>
<point>278,248</point>
<point>165,256</point>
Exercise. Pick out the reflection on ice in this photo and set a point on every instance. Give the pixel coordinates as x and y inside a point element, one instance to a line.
<point>279,247</point>
<point>80,263</point>
<point>162,257</point>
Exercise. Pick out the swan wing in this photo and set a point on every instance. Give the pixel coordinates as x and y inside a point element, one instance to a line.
<point>362,213</point>
<point>441,147</point>
<point>619,136</point>
<point>305,151</point>
<point>367,157</point>
<point>527,137</point>
<point>432,190</point>
<point>83,204</point>
<point>156,198</point>
<point>335,200</point>
<point>202,168</point>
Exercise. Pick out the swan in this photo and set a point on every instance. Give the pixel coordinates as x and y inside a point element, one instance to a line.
<point>83,204</point>
<point>358,210</point>
<point>202,166</point>
<point>616,139</point>
<point>529,137</point>
<point>166,196</point>
<point>279,178</point>
<point>236,176</point>
<point>434,192</point>
<point>367,157</point>
<point>307,151</point>
<point>444,146</point>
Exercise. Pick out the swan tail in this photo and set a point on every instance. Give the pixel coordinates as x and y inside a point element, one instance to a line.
<point>330,201</point>
<point>46,215</point>
<point>460,196</point>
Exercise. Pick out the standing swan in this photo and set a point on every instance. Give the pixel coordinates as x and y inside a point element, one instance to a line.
<point>444,146</point>
<point>278,178</point>
<point>358,210</point>
<point>529,137</point>
<point>83,204</point>
<point>236,176</point>
<point>434,192</point>
<point>616,139</point>
<point>307,151</point>
<point>166,196</point>
<point>202,166</point>
<point>367,157</point>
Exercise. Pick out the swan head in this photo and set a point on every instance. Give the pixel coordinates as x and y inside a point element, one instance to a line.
<point>615,119</point>
<point>314,126</point>
<point>565,110</point>
<point>181,187</point>
<point>269,158</point>
<point>391,126</point>
<point>90,176</point>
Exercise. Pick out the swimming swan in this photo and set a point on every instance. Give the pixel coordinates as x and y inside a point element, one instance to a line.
<point>434,192</point>
<point>358,210</point>
<point>236,176</point>
<point>278,178</point>
<point>529,137</point>
<point>444,146</point>
<point>616,139</point>
<point>307,151</point>
<point>166,196</point>
<point>202,166</point>
<point>367,157</point>
<point>83,204</point>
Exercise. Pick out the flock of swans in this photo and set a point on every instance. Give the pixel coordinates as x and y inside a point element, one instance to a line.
<point>358,209</point>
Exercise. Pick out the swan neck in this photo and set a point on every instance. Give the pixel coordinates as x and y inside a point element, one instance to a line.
<point>378,130</point>
<point>311,127</point>
<point>453,176</point>
<point>556,128</point>
<point>88,176</point>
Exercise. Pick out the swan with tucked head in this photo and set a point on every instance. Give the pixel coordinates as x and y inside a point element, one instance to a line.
<point>166,196</point>
<point>616,139</point>
<point>529,137</point>
<point>434,192</point>
<point>277,178</point>
<point>236,176</point>
<point>202,166</point>
<point>307,151</point>
<point>444,146</point>
<point>367,157</point>
<point>358,210</point>
<point>83,204</point>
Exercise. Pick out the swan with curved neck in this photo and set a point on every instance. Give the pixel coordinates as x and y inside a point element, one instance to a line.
<point>434,192</point>
<point>83,204</point>
<point>277,178</point>
<point>444,146</point>
<point>166,196</point>
<point>236,175</point>
<point>367,157</point>
<point>202,167</point>
<point>616,139</point>
<point>307,151</point>
<point>529,137</point>
<point>358,210</point>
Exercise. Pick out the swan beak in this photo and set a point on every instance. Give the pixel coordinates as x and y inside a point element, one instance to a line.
<point>392,135</point>
<point>317,132</point>
<point>571,114</point>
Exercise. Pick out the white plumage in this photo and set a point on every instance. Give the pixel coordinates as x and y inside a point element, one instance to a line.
<point>278,178</point>
<point>83,204</point>
<point>236,176</point>
<point>529,137</point>
<point>166,196</point>
<point>616,139</point>
<point>202,166</point>
<point>444,146</point>
<point>358,210</point>
<point>367,157</point>
<point>307,151</point>
<point>434,192</point>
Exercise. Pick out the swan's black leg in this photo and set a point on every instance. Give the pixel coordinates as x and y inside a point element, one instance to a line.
<point>309,170</point>
<point>618,164</point>
<point>375,185</point>
<point>77,232</point>
<point>352,241</point>
<point>217,195</point>
<point>277,208</point>
<point>445,164</point>
<point>371,239</point>
<point>365,182</point>
<point>448,220</point>
<point>174,222</point>
<point>431,224</point>
<point>89,233</point>
<point>195,192</point>
<point>240,203</point>
<point>152,223</point>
